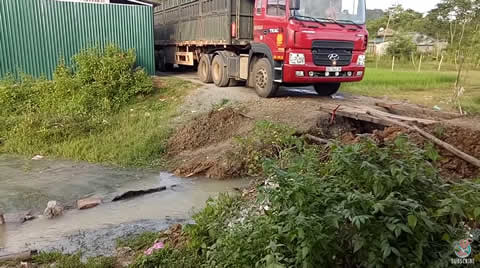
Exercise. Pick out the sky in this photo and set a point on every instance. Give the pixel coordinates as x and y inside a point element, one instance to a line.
<point>418,5</point>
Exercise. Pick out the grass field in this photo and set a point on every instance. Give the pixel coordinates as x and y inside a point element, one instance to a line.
<point>135,136</point>
<point>427,88</point>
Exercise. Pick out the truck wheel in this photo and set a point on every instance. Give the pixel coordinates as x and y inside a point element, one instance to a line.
<point>160,61</point>
<point>219,72</point>
<point>205,69</point>
<point>327,89</point>
<point>263,75</point>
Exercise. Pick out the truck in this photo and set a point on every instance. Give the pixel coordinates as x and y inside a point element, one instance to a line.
<point>264,43</point>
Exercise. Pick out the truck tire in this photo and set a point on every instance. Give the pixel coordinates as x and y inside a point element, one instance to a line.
<point>219,71</point>
<point>205,69</point>
<point>327,89</point>
<point>161,62</point>
<point>263,77</point>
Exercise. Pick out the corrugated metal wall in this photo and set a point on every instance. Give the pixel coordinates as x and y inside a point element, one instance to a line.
<point>36,34</point>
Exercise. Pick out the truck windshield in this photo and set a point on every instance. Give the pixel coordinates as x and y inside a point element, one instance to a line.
<point>341,11</point>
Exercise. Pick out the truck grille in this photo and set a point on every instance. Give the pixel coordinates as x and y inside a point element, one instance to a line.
<point>322,50</point>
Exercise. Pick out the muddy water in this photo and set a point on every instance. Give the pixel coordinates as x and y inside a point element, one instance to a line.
<point>27,184</point>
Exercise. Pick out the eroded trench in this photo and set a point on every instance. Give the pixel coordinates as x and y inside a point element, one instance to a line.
<point>205,145</point>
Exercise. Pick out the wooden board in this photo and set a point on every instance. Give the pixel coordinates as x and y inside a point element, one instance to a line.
<point>369,114</point>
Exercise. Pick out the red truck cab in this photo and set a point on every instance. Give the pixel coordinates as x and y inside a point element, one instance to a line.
<point>313,42</point>
<point>267,43</point>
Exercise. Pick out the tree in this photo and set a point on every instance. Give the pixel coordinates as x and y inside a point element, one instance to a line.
<point>401,46</point>
<point>405,20</point>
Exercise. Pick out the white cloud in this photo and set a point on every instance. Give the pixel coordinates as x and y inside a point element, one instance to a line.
<point>418,5</point>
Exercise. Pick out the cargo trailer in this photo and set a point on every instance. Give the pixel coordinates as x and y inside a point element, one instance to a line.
<point>266,43</point>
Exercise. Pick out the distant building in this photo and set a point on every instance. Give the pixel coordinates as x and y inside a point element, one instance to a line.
<point>425,43</point>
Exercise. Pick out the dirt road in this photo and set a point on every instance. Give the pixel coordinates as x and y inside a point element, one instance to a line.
<point>205,144</point>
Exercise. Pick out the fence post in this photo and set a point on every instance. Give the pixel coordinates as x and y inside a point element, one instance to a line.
<point>459,89</point>
<point>420,63</point>
<point>393,63</point>
<point>413,60</point>
<point>440,64</point>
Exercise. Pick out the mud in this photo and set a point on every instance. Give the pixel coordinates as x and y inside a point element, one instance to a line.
<point>465,139</point>
<point>204,146</point>
<point>215,127</point>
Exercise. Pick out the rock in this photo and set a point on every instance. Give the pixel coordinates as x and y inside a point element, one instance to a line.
<point>125,256</point>
<point>26,265</point>
<point>38,157</point>
<point>18,217</point>
<point>88,203</point>
<point>54,209</point>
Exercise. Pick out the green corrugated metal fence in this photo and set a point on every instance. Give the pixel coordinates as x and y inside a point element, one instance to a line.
<point>36,34</point>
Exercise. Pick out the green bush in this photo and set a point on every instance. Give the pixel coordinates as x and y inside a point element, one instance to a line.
<point>37,113</point>
<point>401,46</point>
<point>268,140</point>
<point>366,206</point>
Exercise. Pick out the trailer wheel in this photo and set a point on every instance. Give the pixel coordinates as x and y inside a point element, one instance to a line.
<point>263,75</point>
<point>327,89</point>
<point>205,69</point>
<point>219,72</point>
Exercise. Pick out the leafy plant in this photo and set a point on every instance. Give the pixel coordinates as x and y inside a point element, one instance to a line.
<point>268,140</point>
<point>363,205</point>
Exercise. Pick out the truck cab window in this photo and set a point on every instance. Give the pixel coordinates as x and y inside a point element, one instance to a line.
<point>276,7</point>
<point>258,7</point>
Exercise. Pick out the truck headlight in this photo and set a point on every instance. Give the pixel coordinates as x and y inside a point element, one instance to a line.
<point>297,58</point>
<point>361,60</point>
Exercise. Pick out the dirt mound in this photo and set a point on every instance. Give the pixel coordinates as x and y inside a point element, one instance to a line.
<point>465,139</point>
<point>205,145</point>
<point>214,127</point>
<point>450,166</point>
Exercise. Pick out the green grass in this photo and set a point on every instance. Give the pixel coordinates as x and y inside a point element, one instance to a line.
<point>385,81</point>
<point>135,136</point>
<point>138,242</point>
<point>72,261</point>
<point>426,88</point>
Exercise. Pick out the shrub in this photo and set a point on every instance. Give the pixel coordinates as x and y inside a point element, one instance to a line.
<point>401,46</point>
<point>268,140</point>
<point>366,206</point>
<point>37,113</point>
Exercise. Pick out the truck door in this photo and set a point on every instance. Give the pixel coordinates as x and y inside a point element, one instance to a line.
<point>270,23</point>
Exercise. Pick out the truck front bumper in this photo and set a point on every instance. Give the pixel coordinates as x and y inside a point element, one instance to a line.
<point>309,73</point>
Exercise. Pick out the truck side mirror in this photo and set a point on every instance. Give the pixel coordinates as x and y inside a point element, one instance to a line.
<point>294,4</point>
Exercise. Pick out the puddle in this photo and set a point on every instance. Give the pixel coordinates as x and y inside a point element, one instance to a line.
<point>27,184</point>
